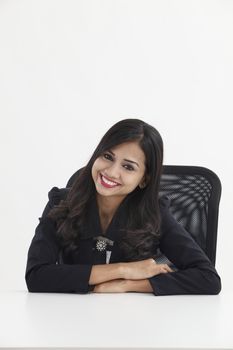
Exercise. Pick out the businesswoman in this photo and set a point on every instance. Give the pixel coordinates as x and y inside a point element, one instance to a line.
<point>107,230</point>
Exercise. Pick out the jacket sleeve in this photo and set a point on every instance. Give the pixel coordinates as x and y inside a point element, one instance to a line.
<point>43,271</point>
<point>194,273</point>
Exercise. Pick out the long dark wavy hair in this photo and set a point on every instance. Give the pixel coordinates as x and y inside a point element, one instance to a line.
<point>142,231</point>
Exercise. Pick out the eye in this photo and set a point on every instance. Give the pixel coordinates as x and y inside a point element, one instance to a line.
<point>106,154</point>
<point>130,168</point>
<point>109,157</point>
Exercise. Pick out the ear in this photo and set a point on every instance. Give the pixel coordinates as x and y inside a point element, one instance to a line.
<point>144,181</point>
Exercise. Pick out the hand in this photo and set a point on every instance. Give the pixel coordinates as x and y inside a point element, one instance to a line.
<point>114,286</point>
<point>137,270</point>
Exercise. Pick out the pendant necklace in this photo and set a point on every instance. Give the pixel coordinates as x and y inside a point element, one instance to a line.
<point>102,242</point>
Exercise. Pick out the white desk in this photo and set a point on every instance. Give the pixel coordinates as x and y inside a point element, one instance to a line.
<point>119,321</point>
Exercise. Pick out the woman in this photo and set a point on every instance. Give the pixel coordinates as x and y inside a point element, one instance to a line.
<point>106,231</point>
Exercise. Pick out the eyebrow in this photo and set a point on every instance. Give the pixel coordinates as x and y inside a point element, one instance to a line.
<point>127,160</point>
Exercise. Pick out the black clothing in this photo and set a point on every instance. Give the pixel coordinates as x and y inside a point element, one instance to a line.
<point>52,269</point>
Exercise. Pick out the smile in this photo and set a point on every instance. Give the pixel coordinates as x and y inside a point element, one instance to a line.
<point>106,183</point>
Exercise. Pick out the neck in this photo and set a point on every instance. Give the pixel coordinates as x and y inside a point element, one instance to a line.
<point>108,205</point>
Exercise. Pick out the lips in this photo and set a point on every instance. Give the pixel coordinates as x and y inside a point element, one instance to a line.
<point>109,179</point>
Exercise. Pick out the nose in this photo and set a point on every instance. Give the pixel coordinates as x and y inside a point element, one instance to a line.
<point>113,172</point>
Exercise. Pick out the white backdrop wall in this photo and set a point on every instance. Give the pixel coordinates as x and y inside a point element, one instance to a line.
<point>71,69</point>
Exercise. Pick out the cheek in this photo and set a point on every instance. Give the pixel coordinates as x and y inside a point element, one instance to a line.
<point>94,168</point>
<point>98,164</point>
<point>137,180</point>
<point>130,180</point>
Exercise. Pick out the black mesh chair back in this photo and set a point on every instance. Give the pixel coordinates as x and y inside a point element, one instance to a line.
<point>194,194</point>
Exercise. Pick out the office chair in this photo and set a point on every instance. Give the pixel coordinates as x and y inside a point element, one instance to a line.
<point>194,194</point>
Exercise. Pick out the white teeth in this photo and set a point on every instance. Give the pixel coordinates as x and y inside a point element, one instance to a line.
<point>108,182</point>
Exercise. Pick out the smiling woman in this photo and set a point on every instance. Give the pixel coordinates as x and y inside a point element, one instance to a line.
<point>105,232</point>
<point>115,177</point>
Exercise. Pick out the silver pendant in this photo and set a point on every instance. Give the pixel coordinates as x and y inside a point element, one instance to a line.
<point>102,242</point>
<point>101,245</point>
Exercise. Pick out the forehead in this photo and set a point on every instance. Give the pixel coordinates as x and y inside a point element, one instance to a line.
<point>130,150</point>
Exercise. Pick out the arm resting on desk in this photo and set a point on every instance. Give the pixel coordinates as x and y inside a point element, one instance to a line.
<point>195,273</point>
<point>105,272</point>
<point>43,274</point>
<point>123,286</point>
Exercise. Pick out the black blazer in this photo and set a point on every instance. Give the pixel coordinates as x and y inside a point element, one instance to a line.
<point>51,269</point>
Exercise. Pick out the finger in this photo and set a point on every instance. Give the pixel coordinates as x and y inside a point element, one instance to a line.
<point>168,268</point>
<point>164,268</point>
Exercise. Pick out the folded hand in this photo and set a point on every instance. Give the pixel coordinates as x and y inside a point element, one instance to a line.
<point>114,286</point>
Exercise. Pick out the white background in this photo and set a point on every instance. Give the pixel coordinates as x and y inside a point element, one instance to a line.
<point>69,70</point>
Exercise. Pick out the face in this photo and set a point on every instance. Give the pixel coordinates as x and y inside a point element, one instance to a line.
<point>122,168</point>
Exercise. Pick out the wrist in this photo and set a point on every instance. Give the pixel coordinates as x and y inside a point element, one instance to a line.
<point>130,285</point>
<point>122,270</point>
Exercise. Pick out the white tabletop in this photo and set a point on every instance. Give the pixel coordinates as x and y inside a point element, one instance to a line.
<point>115,320</point>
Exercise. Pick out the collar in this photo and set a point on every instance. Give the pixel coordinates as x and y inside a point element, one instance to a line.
<point>93,228</point>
